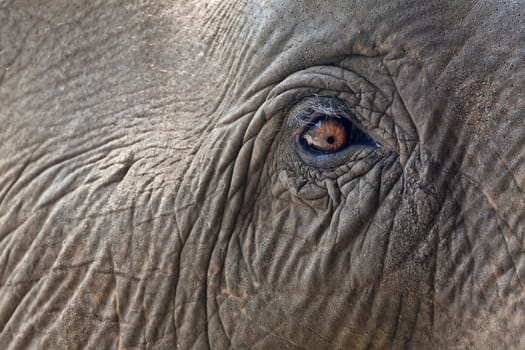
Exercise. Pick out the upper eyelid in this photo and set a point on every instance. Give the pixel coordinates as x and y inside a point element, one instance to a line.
<point>313,110</point>
<point>318,107</point>
<point>314,119</point>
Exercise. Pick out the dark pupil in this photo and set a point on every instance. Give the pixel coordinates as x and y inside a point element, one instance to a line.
<point>330,139</point>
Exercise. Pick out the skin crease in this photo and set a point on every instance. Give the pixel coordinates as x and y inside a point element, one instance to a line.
<point>152,194</point>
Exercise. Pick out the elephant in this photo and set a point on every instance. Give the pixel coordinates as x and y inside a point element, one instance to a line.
<point>211,174</point>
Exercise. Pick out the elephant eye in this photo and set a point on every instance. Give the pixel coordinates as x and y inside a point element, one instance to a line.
<point>331,134</point>
<point>327,135</point>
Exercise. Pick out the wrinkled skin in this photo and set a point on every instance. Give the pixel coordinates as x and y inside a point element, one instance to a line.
<point>153,195</point>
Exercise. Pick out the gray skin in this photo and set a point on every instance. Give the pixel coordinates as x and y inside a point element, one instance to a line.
<point>154,195</point>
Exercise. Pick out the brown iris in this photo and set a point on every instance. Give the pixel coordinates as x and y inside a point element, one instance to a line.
<point>327,135</point>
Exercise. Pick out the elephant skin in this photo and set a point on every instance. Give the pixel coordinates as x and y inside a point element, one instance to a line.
<point>156,190</point>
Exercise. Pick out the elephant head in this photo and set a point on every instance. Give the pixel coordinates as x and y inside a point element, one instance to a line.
<point>245,174</point>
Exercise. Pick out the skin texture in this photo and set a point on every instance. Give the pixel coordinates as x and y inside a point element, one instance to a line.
<point>152,194</point>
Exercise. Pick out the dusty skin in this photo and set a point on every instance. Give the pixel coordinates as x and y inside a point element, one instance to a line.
<point>157,192</point>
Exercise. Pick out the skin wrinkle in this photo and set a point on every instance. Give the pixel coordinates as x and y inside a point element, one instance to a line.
<point>17,177</point>
<point>433,290</point>
<point>477,185</point>
<point>234,211</point>
<point>444,307</point>
<point>506,224</point>
<point>202,193</point>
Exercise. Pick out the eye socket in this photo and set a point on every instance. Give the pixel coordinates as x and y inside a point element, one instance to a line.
<point>327,135</point>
